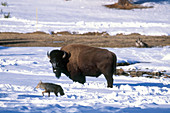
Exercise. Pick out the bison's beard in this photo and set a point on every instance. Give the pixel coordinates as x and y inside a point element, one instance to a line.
<point>57,73</point>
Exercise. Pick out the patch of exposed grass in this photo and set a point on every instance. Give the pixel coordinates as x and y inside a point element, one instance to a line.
<point>44,39</point>
<point>127,7</point>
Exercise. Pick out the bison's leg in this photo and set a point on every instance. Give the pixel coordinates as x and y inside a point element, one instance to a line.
<point>48,94</point>
<point>56,93</point>
<point>109,79</point>
<point>76,76</point>
<point>107,70</point>
<point>80,78</point>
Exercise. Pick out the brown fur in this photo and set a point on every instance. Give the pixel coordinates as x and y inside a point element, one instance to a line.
<point>49,87</point>
<point>90,61</point>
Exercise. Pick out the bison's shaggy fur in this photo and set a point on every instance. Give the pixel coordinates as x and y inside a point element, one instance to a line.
<point>81,60</point>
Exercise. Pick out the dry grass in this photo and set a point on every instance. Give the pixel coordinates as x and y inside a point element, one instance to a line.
<point>41,39</point>
<point>127,7</point>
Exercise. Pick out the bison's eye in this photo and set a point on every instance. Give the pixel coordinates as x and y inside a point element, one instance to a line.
<point>51,61</point>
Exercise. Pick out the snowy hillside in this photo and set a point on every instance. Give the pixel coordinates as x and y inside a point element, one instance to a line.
<point>21,69</point>
<point>85,16</point>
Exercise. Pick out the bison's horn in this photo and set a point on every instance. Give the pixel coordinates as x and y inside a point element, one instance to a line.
<point>48,54</point>
<point>64,55</point>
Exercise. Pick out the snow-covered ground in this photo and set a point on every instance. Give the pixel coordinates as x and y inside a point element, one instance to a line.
<point>21,68</point>
<point>85,16</point>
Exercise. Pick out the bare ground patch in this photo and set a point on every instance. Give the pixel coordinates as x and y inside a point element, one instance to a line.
<point>41,39</point>
<point>127,7</point>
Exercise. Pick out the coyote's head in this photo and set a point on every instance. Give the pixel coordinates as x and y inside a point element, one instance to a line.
<point>39,84</point>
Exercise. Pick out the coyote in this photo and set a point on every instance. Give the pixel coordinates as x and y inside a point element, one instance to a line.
<point>140,43</point>
<point>50,87</point>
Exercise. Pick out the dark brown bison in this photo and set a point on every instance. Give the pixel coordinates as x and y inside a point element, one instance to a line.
<point>77,61</point>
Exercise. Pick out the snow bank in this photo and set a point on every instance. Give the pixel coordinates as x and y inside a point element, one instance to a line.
<point>85,16</point>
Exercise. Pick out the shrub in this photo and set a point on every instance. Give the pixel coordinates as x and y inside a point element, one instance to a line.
<point>7,15</point>
<point>4,3</point>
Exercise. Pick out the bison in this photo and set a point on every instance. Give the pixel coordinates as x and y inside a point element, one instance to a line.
<point>77,61</point>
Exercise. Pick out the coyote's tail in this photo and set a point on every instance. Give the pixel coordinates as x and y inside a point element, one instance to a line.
<point>61,91</point>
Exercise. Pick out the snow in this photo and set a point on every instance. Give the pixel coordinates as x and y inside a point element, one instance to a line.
<point>23,67</point>
<point>85,16</point>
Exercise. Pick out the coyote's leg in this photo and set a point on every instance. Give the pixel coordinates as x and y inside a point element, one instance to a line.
<point>45,92</point>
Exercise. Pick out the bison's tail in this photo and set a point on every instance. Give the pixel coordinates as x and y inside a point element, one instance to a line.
<point>114,71</point>
<point>114,64</point>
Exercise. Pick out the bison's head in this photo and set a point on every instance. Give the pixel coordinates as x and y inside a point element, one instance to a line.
<point>59,60</point>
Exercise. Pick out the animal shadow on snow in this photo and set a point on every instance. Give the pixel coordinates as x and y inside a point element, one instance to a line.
<point>3,95</point>
<point>28,96</point>
<point>160,85</point>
